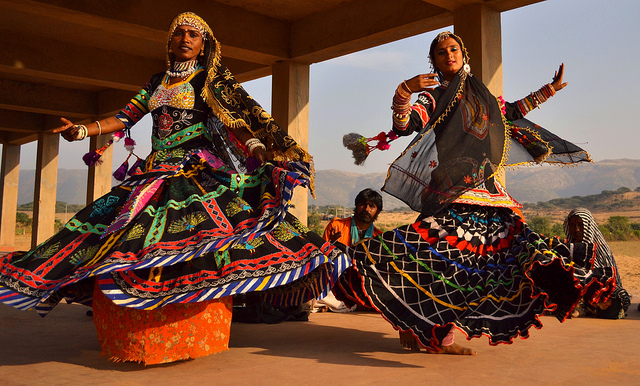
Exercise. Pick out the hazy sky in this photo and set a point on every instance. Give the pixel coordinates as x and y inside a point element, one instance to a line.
<point>596,39</point>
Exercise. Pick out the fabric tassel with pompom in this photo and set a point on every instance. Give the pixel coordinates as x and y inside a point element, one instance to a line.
<point>135,166</point>
<point>129,144</point>
<point>93,157</point>
<point>360,146</point>
<point>252,164</point>
<point>121,173</point>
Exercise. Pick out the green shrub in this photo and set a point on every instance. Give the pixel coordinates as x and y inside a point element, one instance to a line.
<point>23,219</point>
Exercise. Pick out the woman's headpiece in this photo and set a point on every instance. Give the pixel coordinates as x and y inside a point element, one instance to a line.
<point>192,20</point>
<point>210,45</point>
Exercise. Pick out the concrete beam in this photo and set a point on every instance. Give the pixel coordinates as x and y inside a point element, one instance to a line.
<point>450,5</point>
<point>148,20</point>
<point>46,99</point>
<point>37,57</point>
<point>337,32</point>
<point>15,126</point>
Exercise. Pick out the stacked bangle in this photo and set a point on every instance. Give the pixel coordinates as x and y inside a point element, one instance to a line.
<point>82,132</point>
<point>536,98</point>
<point>253,143</point>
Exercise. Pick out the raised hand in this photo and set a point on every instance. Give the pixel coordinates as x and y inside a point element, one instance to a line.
<point>557,79</point>
<point>421,83</point>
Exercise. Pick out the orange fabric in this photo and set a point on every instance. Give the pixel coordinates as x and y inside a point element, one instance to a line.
<point>168,334</point>
<point>343,225</point>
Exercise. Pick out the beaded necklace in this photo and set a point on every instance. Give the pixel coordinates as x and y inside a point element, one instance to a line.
<point>183,69</point>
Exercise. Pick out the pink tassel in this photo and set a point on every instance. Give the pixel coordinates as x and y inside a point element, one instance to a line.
<point>118,135</point>
<point>129,144</point>
<point>361,146</point>
<point>383,145</point>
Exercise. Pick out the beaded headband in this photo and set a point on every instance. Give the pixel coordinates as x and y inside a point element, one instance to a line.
<point>190,19</point>
<point>211,47</point>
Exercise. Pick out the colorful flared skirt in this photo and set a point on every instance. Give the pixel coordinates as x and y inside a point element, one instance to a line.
<point>480,269</point>
<point>183,229</point>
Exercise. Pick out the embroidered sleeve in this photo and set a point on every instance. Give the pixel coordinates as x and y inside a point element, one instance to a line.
<point>137,106</point>
<point>533,100</point>
<point>408,118</point>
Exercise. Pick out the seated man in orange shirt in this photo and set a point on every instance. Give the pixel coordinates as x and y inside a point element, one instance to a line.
<point>349,231</point>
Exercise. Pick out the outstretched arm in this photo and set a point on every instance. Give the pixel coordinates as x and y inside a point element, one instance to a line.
<point>520,108</point>
<point>72,132</point>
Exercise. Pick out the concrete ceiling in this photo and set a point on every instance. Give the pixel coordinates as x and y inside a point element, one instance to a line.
<point>84,59</point>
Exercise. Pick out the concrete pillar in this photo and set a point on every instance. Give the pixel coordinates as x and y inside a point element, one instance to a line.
<point>290,108</point>
<point>9,176</point>
<point>479,27</point>
<point>44,198</point>
<point>99,176</point>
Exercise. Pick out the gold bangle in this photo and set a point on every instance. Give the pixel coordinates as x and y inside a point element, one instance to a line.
<point>407,86</point>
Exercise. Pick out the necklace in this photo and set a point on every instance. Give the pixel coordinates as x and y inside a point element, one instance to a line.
<point>183,69</point>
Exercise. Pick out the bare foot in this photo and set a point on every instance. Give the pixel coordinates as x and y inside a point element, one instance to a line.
<point>409,341</point>
<point>456,349</point>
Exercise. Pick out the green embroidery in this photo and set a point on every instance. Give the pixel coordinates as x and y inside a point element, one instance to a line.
<point>285,232</point>
<point>222,258</point>
<point>83,255</point>
<point>166,154</point>
<point>299,226</point>
<point>159,215</point>
<point>178,138</point>
<point>40,253</point>
<point>251,245</point>
<point>187,223</point>
<point>47,252</point>
<point>236,206</point>
<point>75,225</point>
<point>136,232</point>
<point>182,189</point>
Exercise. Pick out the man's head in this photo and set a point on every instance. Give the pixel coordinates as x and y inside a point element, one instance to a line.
<point>368,206</point>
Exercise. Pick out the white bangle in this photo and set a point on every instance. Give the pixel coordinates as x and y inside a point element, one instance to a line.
<point>99,128</point>
<point>253,143</point>
<point>82,132</point>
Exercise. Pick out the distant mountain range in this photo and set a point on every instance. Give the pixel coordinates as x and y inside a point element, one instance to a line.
<point>526,184</point>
